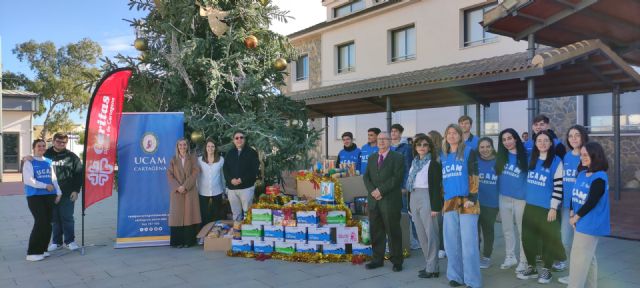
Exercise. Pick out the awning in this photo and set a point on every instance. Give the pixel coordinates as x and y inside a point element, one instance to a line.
<point>557,23</point>
<point>584,67</point>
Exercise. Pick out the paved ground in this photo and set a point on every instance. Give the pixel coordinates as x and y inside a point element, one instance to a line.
<point>103,266</point>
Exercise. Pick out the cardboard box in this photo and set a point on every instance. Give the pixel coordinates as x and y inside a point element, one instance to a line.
<point>251,232</point>
<point>211,243</point>
<point>305,190</point>
<point>352,187</point>
<point>360,249</point>
<point>278,217</point>
<point>317,235</point>
<point>241,245</point>
<point>285,247</point>
<point>335,249</point>
<point>261,217</point>
<point>336,218</point>
<point>263,246</point>
<point>273,233</point>
<point>307,218</point>
<point>296,235</point>
<point>307,248</point>
<point>346,235</point>
<point>217,244</point>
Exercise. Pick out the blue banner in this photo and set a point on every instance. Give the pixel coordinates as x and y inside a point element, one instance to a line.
<point>147,143</point>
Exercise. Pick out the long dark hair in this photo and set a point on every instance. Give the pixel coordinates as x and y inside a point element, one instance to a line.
<point>205,155</point>
<point>584,135</point>
<point>536,153</point>
<point>598,158</point>
<point>432,148</point>
<point>503,153</point>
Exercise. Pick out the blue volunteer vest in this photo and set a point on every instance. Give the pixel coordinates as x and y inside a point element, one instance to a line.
<point>570,165</point>
<point>455,174</point>
<point>597,221</point>
<point>488,190</point>
<point>365,151</point>
<point>540,184</point>
<point>472,142</point>
<point>42,173</point>
<point>511,181</point>
<point>352,156</point>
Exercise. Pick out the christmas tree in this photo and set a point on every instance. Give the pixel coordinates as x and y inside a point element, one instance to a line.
<point>217,61</point>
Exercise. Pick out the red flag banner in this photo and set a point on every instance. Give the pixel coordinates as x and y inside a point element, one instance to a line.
<point>101,135</point>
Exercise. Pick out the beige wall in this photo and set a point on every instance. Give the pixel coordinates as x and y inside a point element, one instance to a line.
<point>20,122</point>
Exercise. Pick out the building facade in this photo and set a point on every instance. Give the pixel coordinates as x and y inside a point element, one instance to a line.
<point>18,108</point>
<point>363,39</point>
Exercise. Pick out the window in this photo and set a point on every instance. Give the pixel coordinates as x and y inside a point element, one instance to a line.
<point>302,68</point>
<point>599,112</point>
<point>474,33</point>
<point>347,9</point>
<point>492,119</point>
<point>403,44</point>
<point>347,58</point>
<point>345,124</point>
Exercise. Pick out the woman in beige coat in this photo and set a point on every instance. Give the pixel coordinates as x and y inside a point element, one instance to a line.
<point>184,211</point>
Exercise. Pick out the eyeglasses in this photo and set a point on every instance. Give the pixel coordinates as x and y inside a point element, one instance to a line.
<point>422,145</point>
<point>239,137</point>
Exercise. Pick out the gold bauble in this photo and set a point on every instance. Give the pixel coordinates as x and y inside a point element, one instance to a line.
<point>280,64</point>
<point>196,136</point>
<point>140,44</point>
<point>251,42</point>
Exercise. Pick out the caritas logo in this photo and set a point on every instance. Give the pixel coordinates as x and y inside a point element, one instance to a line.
<point>100,170</point>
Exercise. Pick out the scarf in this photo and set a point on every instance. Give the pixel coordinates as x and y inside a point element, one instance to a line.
<point>417,166</point>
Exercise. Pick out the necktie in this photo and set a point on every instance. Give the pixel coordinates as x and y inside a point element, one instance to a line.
<point>380,159</point>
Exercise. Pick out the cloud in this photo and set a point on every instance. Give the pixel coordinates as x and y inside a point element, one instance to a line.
<point>118,44</point>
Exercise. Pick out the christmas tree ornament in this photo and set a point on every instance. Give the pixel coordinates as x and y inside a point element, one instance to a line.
<point>141,44</point>
<point>215,18</point>
<point>280,64</point>
<point>264,2</point>
<point>196,136</point>
<point>251,42</point>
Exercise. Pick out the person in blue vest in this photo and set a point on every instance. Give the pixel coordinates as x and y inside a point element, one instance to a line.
<point>465,122</point>
<point>511,168</point>
<point>369,148</point>
<point>488,197</point>
<point>541,123</point>
<point>540,223</point>
<point>43,192</point>
<point>577,136</point>
<point>590,214</point>
<point>350,153</point>
<point>461,209</point>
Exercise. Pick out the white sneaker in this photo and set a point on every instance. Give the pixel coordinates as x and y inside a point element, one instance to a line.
<point>442,254</point>
<point>485,262</point>
<point>508,263</point>
<point>54,247</point>
<point>564,280</point>
<point>73,246</point>
<point>46,254</point>
<point>35,257</point>
<point>559,266</point>
<point>522,267</point>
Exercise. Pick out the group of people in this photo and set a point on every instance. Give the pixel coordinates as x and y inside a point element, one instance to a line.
<point>551,199</point>
<point>197,186</point>
<point>52,180</point>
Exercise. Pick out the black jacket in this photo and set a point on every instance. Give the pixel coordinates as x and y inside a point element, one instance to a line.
<point>245,166</point>
<point>68,168</point>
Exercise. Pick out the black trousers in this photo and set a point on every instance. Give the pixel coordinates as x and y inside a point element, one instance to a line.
<point>41,207</point>
<point>383,223</point>
<point>183,235</point>
<point>486,222</point>
<point>210,208</point>
<point>538,232</point>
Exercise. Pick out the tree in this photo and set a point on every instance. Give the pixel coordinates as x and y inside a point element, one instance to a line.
<point>220,83</point>
<point>64,78</point>
<point>15,81</point>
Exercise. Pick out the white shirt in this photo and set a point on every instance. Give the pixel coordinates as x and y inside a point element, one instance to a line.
<point>422,178</point>
<point>30,180</point>
<point>211,179</point>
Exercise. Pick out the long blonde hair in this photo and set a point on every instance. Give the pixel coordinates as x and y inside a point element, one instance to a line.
<point>177,156</point>
<point>461,146</point>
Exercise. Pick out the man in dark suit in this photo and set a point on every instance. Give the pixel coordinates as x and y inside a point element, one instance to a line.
<point>383,179</point>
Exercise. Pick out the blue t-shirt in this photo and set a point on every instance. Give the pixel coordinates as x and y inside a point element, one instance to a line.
<point>365,151</point>
<point>511,181</point>
<point>540,183</point>
<point>455,174</point>
<point>570,165</point>
<point>488,189</point>
<point>405,150</point>
<point>472,142</point>
<point>597,221</point>
<point>42,173</point>
<point>352,156</point>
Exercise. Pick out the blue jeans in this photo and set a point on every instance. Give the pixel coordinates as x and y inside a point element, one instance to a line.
<point>461,245</point>
<point>566,231</point>
<point>63,221</point>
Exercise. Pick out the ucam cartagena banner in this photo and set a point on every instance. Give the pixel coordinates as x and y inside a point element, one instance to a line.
<point>101,135</point>
<point>147,143</point>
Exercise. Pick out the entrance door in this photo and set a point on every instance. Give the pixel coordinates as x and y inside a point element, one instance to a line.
<point>11,144</point>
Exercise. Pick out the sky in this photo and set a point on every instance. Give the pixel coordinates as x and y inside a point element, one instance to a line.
<point>67,21</point>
